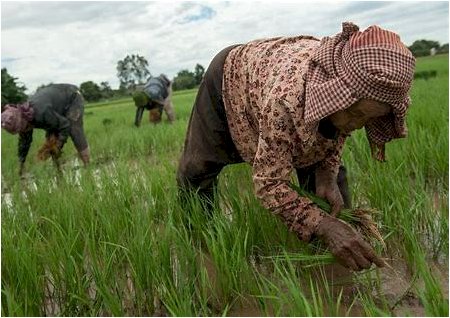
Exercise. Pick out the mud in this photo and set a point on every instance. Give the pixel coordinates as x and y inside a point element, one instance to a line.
<point>396,290</point>
<point>247,308</point>
<point>393,286</point>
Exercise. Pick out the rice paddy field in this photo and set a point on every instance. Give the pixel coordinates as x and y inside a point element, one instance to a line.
<point>110,239</point>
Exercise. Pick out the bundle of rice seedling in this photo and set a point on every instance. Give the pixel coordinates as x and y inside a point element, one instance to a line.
<point>49,148</point>
<point>155,116</point>
<point>360,218</point>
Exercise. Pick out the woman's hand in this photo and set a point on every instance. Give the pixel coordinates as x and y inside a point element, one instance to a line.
<point>347,245</point>
<point>85,156</point>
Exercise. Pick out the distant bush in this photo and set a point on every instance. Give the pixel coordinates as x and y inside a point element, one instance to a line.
<point>443,49</point>
<point>423,47</point>
<point>91,91</point>
<point>186,79</point>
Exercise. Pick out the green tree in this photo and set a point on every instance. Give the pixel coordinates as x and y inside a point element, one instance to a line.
<point>132,70</point>
<point>423,47</point>
<point>91,91</point>
<point>199,71</point>
<point>12,92</point>
<point>184,80</point>
<point>443,48</point>
<point>121,91</point>
<point>106,90</point>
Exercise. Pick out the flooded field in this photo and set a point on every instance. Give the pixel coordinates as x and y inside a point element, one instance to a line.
<point>111,239</point>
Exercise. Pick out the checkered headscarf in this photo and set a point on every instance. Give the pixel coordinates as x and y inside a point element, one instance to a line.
<point>16,118</point>
<point>352,65</point>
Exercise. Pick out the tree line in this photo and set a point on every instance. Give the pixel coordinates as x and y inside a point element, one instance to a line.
<point>426,47</point>
<point>133,71</point>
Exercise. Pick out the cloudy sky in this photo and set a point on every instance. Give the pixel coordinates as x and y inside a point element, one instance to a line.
<point>73,42</point>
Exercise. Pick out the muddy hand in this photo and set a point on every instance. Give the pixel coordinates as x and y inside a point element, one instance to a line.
<point>347,245</point>
<point>85,156</point>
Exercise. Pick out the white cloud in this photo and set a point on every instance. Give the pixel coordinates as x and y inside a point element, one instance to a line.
<point>74,42</point>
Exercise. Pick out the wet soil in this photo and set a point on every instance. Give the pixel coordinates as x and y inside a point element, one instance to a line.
<point>397,291</point>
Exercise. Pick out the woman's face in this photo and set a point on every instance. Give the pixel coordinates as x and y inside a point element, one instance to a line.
<point>357,115</point>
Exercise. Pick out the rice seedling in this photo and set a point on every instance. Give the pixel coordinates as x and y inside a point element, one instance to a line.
<point>112,239</point>
<point>360,218</point>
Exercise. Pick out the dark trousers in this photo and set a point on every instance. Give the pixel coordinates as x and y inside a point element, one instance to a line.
<point>209,147</point>
<point>75,114</point>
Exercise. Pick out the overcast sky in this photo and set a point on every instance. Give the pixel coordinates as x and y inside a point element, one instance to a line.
<point>73,42</point>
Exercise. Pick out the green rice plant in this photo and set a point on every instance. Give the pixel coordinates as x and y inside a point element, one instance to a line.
<point>22,273</point>
<point>305,258</point>
<point>176,278</point>
<point>435,303</point>
<point>295,300</point>
<point>111,239</point>
<point>360,218</point>
<point>371,309</point>
<point>228,249</point>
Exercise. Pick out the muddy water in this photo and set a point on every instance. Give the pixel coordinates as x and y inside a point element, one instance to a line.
<point>7,198</point>
<point>393,285</point>
<point>247,308</point>
<point>396,289</point>
<point>72,172</point>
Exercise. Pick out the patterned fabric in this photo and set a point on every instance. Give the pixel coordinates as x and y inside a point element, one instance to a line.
<point>352,65</point>
<point>16,119</point>
<point>263,93</point>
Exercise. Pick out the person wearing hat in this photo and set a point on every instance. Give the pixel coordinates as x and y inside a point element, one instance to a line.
<point>56,108</point>
<point>155,96</point>
<point>289,103</point>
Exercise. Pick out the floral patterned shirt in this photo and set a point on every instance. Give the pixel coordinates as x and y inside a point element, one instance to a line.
<point>263,92</point>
